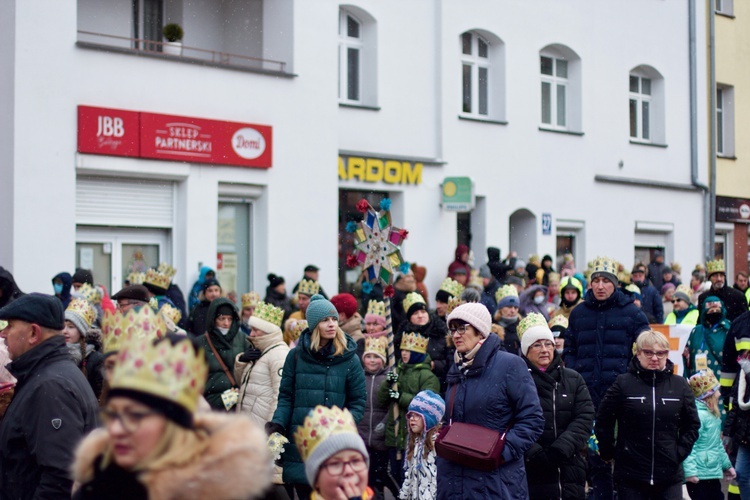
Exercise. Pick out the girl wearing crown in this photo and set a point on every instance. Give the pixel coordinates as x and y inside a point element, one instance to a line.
<point>154,444</point>
<point>84,342</point>
<point>425,412</point>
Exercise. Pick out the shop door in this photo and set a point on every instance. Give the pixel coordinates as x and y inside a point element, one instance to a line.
<point>113,253</point>
<point>234,258</point>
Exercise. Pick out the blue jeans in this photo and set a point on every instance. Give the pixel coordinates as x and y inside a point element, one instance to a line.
<point>600,477</point>
<point>742,466</point>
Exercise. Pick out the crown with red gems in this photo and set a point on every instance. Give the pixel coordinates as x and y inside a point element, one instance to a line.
<point>250,299</point>
<point>139,323</point>
<point>414,342</point>
<point>92,294</point>
<point>321,424</point>
<point>453,303</point>
<point>82,309</point>
<point>704,384</point>
<point>376,307</point>
<point>166,269</point>
<point>136,278</point>
<point>158,279</point>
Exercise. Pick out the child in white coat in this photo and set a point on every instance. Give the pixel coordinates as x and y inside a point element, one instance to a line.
<point>420,471</point>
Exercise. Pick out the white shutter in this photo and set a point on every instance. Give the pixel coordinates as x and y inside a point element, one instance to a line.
<point>103,201</point>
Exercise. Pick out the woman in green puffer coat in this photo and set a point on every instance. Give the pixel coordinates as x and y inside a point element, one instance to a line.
<point>323,369</point>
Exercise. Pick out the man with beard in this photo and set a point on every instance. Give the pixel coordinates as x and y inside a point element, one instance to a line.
<point>733,299</point>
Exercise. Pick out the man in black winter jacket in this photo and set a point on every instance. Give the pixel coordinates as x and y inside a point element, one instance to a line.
<point>733,299</point>
<point>53,407</point>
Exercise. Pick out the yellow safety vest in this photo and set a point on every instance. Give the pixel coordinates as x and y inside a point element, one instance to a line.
<point>690,318</point>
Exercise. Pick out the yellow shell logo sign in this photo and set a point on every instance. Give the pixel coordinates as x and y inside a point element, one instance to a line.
<point>449,189</point>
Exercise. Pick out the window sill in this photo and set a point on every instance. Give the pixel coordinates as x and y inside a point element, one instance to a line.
<point>723,14</point>
<point>558,131</point>
<point>482,120</point>
<point>358,106</point>
<point>651,144</point>
<point>726,157</point>
<point>181,59</point>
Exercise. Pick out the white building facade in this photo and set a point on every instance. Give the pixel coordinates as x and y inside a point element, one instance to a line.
<point>250,145</point>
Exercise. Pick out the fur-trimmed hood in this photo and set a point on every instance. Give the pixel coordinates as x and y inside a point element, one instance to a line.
<point>236,464</point>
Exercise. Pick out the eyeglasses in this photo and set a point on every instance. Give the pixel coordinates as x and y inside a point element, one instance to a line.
<point>650,354</point>
<point>336,468</point>
<point>125,304</point>
<point>674,301</point>
<point>459,329</point>
<point>129,420</point>
<point>546,344</point>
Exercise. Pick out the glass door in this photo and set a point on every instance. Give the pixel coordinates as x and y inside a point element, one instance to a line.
<point>234,256</point>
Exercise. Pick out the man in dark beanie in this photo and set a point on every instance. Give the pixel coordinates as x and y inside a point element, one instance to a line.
<point>82,276</point>
<point>210,290</point>
<point>53,407</point>
<point>599,345</point>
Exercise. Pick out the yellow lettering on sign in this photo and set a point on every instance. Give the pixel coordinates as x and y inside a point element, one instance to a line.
<point>357,168</point>
<point>392,172</point>
<point>342,169</point>
<point>412,175</point>
<point>374,170</point>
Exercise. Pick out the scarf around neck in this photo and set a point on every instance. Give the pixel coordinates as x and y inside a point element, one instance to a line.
<point>464,361</point>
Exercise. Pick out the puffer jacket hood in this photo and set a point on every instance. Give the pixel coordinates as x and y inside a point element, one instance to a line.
<point>460,250</point>
<point>67,282</point>
<point>8,287</point>
<point>704,321</point>
<point>493,254</point>
<point>211,316</point>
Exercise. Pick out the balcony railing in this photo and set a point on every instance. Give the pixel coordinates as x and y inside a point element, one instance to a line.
<point>187,53</point>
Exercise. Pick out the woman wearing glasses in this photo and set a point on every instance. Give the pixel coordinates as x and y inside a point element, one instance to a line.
<point>154,444</point>
<point>657,423</point>
<point>491,388</point>
<point>555,464</point>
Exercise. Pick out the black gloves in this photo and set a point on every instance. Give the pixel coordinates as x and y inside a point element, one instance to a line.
<point>272,427</point>
<point>250,354</point>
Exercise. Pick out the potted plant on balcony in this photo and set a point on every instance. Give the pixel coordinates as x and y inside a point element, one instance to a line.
<point>173,34</point>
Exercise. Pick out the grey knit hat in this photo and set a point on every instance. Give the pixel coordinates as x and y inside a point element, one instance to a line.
<point>318,310</point>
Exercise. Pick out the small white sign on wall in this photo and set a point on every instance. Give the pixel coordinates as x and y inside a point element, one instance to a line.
<point>86,258</point>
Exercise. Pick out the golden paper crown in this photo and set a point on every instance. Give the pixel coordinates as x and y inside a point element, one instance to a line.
<point>308,287</point>
<point>376,345</point>
<point>534,259</point>
<point>270,313</point>
<point>321,424</point>
<point>176,372</point>
<point>165,268</point>
<point>414,342</point>
<point>453,303</point>
<point>531,320</point>
<point>715,266</point>
<point>92,294</point>
<point>411,299</point>
<point>293,328</point>
<point>559,320</point>
<point>156,278</point>
<point>174,314</point>
<point>140,323</point>
<point>452,287</point>
<point>702,382</point>
<point>376,307</point>
<point>605,265</point>
<point>685,289</point>
<point>250,299</point>
<point>476,280</point>
<point>553,278</point>
<point>506,291</point>
<point>82,309</point>
<point>136,278</point>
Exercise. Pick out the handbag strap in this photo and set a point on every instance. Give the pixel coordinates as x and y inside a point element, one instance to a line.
<point>453,399</point>
<point>220,360</point>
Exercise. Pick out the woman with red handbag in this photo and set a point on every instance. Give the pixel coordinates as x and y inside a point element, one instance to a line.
<point>492,390</point>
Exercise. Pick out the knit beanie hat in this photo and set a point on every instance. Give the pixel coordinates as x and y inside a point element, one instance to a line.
<point>429,406</point>
<point>704,384</point>
<point>345,303</point>
<point>666,287</point>
<point>81,314</point>
<point>83,276</point>
<point>209,283</point>
<point>533,328</point>
<point>375,313</point>
<point>475,314</point>
<point>274,280</point>
<point>318,310</point>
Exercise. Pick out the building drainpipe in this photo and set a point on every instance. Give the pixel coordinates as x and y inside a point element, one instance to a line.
<point>712,108</point>
<point>708,219</point>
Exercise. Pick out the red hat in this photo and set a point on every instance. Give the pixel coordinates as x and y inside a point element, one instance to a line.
<point>345,303</point>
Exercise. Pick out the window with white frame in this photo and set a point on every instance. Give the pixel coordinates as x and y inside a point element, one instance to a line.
<point>560,72</point>
<point>640,108</point>
<point>725,7</point>
<point>357,60</point>
<point>646,106</point>
<point>482,75</point>
<point>725,120</point>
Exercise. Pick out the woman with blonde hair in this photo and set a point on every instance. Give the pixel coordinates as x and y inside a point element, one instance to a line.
<point>322,369</point>
<point>154,444</point>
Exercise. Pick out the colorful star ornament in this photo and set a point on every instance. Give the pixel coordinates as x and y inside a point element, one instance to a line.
<point>377,243</point>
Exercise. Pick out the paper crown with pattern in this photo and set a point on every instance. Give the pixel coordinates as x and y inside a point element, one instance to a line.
<point>293,328</point>
<point>139,323</point>
<point>530,321</point>
<point>321,424</point>
<point>377,345</point>
<point>158,279</point>
<point>250,299</point>
<point>414,342</point>
<point>82,309</point>
<point>715,266</point>
<point>605,265</point>
<point>376,307</point>
<point>91,293</point>
<point>506,291</point>
<point>175,372</point>
<point>684,289</point>
<point>166,269</point>
<point>269,313</point>
<point>559,320</point>
<point>453,303</point>
<point>452,287</point>
<point>411,299</point>
<point>136,278</point>
<point>476,280</point>
<point>308,287</point>
<point>704,384</point>
<point>171,312</point>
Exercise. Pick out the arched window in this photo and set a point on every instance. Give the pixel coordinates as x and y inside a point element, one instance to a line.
<point>482,75</point>
<point>646,105</point>
<point>357,57</point>
<point>560,71</point>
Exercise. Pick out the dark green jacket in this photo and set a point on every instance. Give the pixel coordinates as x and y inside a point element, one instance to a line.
<point>228,346</point>
<point>412,379</point>
<point>310,379</point>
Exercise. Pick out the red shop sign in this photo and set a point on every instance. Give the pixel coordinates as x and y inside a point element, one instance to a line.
<point>108,131</point>
<point>180,138</point>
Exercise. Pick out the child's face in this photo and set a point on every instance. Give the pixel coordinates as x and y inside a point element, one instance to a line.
<point>373,327</point>
<point>405,356</point>
<point>416,424</point>
<point>373,363</point>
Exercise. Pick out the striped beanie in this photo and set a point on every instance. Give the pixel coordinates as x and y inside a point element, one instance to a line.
<point>429,406</point>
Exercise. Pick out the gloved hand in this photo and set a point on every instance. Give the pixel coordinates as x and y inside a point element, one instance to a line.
<point>394,395</point>
<point>250,354</point>
<point>392,377</point>
<point>380,428</point>
<point>727,442</point>
<point>272,427</point>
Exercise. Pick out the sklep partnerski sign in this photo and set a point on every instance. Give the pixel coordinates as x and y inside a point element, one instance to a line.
<point>137,134</point>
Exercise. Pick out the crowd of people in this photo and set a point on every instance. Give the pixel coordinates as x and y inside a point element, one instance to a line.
<point>144,394</point>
